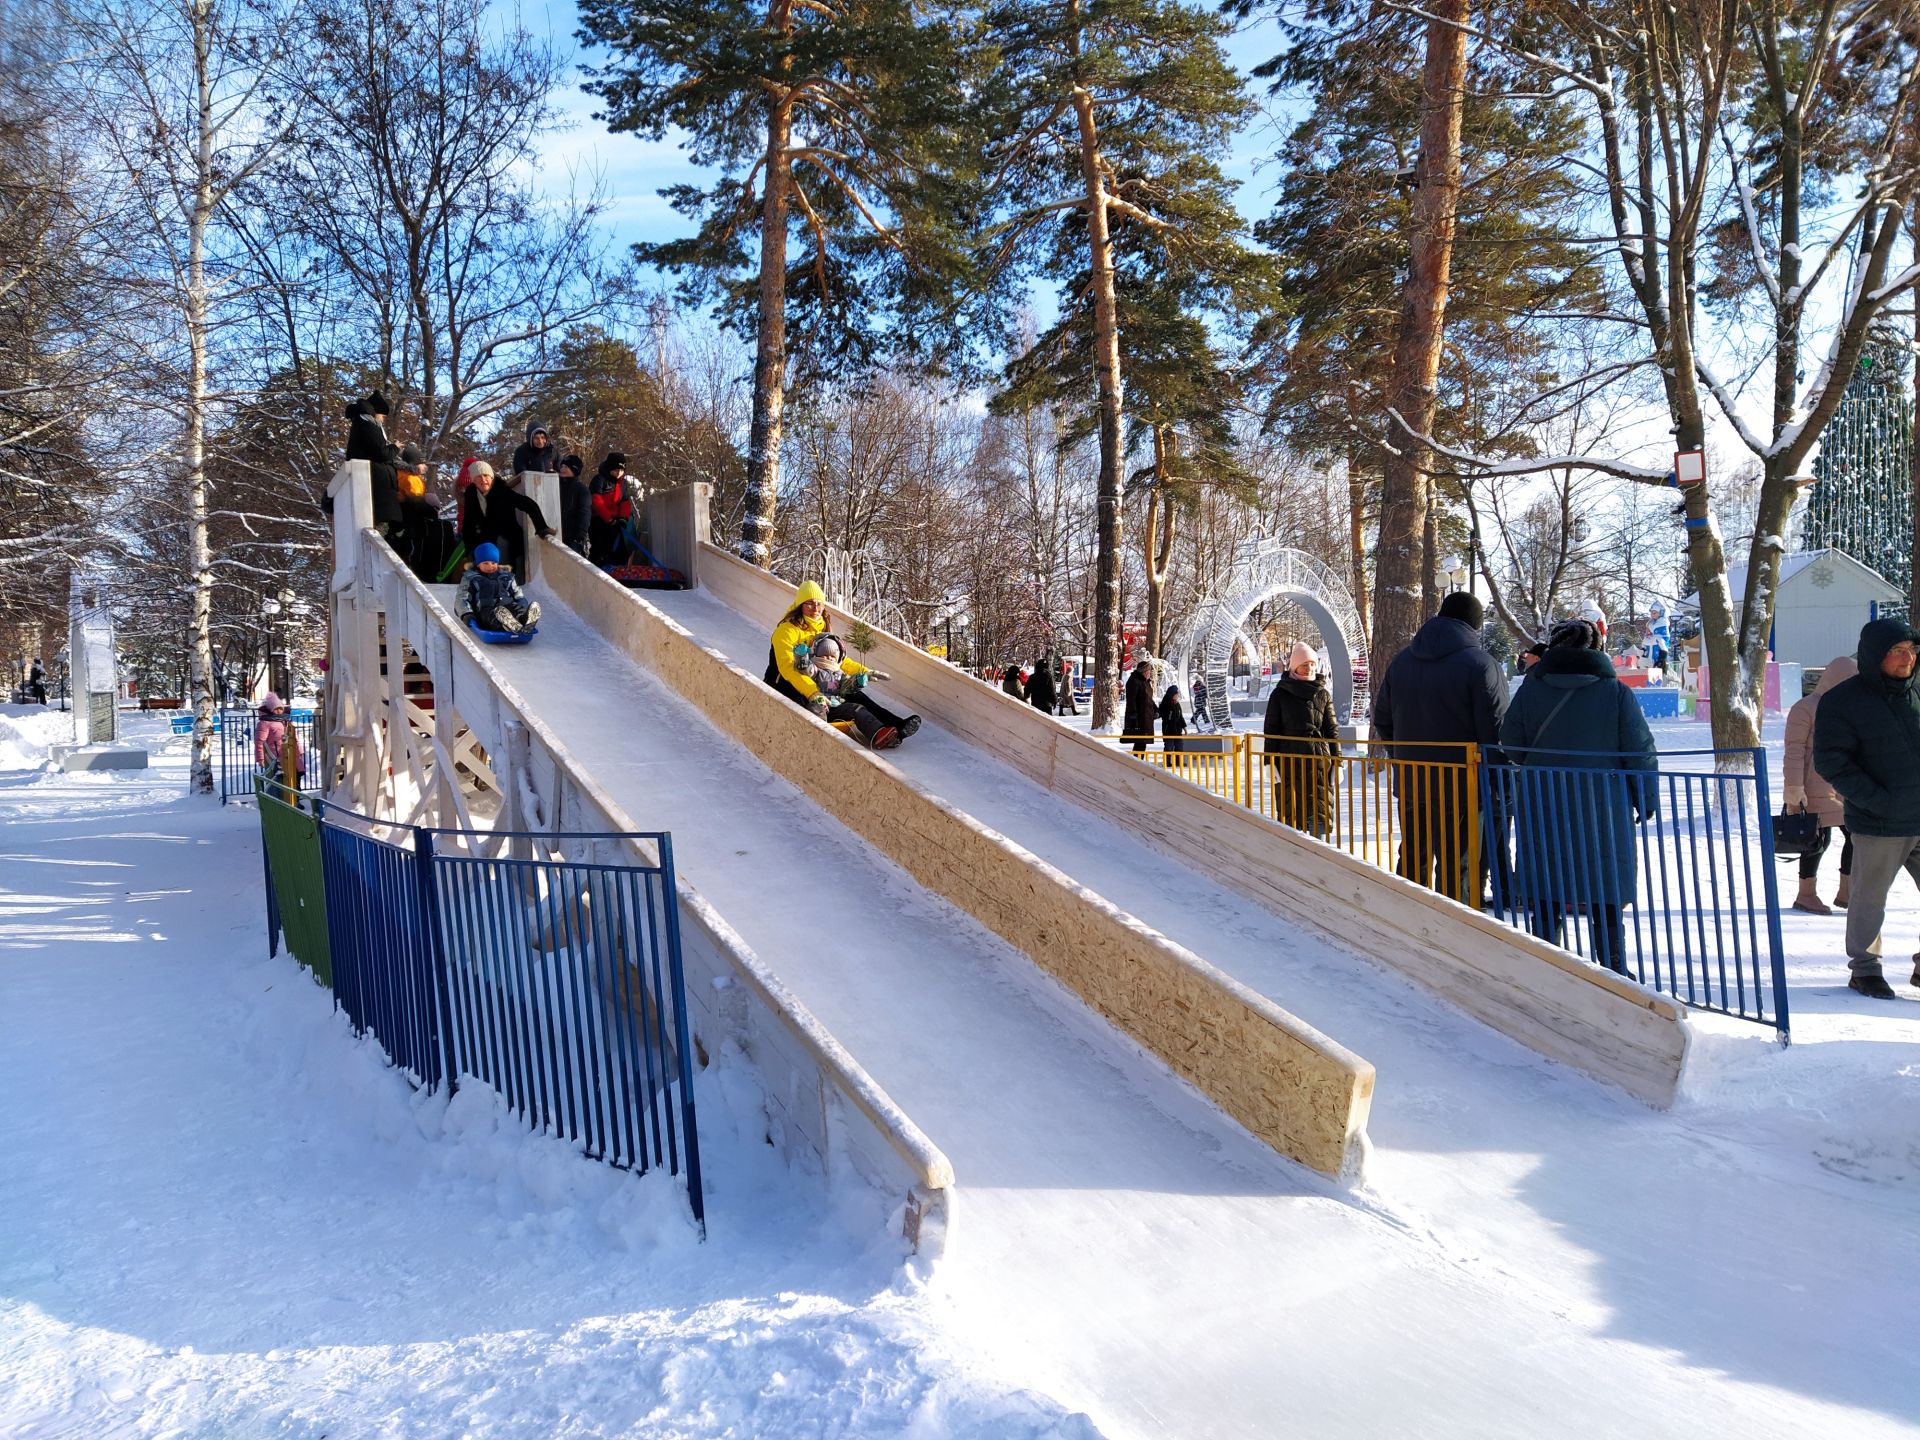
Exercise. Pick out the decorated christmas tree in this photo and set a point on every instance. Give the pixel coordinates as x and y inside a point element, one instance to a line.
<point>1862,502</point>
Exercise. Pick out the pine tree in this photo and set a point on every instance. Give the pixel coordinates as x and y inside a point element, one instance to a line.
<point>840,220</point>
<point>1114,117</point>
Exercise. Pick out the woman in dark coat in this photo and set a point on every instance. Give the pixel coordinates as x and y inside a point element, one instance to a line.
<point>1576,750</point>
<point>1173,720</point>
<point>1010,681</point>
<point>1302,739</point>
<point>1136,720</point>
<point>367,440</point>
<point>492,514</point>
<point>1040,692</point>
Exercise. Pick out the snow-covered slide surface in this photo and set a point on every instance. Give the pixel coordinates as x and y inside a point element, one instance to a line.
<point>1532,1254</point>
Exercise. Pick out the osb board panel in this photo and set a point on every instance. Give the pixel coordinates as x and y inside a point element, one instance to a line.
<point>1553,1003</point>
<point>1288,1084</point>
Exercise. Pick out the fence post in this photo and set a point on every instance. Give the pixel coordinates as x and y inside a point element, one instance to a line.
<point>1770,887</point>
<point>1475,847</point>
<point>436,953</point>
<point>683,1033</point>
<point>266,865</point>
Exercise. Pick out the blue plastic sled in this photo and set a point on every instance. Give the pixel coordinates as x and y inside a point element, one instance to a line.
<point>502,637</point>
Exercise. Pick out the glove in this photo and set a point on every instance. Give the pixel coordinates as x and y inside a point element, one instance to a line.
<point>859,681</point>
<point>820,705</point>
<point>544,534</point>
<point>1795,797</point>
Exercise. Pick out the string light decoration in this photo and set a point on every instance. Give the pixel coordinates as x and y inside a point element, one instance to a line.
<point>1861,501</point>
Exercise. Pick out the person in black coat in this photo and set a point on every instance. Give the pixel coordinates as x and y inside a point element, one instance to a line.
<point>1301,739</point>
<point>492,514</point>
<point>1136,716</point>
<point>576,505</point>
<point>536,453</point>
<point>1173,720</point>
<point>1443,687</point>
<point>1574,749</point>
<point>1040,692</point>
<point>367,440</point>
<point>1866,744</point>
<point>1010,681</point>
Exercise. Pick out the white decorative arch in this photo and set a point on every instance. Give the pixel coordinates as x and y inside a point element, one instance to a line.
<point>1263,570</point>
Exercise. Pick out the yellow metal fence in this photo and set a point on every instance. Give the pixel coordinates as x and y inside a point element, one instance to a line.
<point>1413,808</point>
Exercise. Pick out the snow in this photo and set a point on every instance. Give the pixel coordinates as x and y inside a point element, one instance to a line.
<point>225,1216</point>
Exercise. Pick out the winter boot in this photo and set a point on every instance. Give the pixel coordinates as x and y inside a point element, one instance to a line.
<point>886,738</point>
<point>909,725</point>
<point>1874,987</point>
<point>1845,891</point>
<point>504,621</point>
<point>1809,899</point>
<point>868,727</point>
<point>533,613</point>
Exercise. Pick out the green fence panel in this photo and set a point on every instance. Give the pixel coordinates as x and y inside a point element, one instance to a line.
<point>292,840</point>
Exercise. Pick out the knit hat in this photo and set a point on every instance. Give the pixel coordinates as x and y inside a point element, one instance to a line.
<point>809,590</point>
<point>410,456</point>
<point>573,463</point>
<point>269,703</point>
<point>1464,607</point>
<point>487,554</point>
<point>616,460</point>
<point>1302,651</point>
<point>1571,635</point>
<point>479,468</point>
<point>823,641</point>
<point>378,404</point>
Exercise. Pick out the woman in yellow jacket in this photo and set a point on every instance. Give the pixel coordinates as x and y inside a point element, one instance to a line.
<point>790,662</point>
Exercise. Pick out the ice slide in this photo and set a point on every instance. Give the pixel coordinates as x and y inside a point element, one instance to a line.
<point>1508,1269</point>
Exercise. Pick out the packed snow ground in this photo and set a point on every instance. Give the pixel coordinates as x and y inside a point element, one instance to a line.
<point>225,1217</point>
<point>235,1221</point>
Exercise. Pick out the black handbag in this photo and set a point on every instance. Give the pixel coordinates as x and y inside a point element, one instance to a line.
<point>1794,833</point>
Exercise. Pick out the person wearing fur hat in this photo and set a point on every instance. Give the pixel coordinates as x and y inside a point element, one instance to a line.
<point>1866,742</point>
<point>612,500</point>
<point>1301,738</point>
<point>790,663</point>
<point>1439,694</point>
<point>1574,840</point>
<point>536,453</point>
<point>492,598</point>
<point>367,440</point>
<point>1805,789</point>
<point>576,504</point>
<point>492,516</point>
<point>1138,714</point>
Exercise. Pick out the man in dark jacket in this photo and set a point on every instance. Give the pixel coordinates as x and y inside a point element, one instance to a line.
<point>367,440</point>
<point>1866,744</point>
<point>1443,687</point>
<point>537,453</point>
<point>576,505</point>
<point>1575,746</point>
<point>492,516</point>
<point>1136,719</point>
<point>1040,692</point>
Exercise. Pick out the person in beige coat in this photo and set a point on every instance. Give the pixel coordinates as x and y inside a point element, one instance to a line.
<point>1806,790</point>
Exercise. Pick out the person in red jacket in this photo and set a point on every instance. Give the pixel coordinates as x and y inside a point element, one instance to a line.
<point>612,508</point>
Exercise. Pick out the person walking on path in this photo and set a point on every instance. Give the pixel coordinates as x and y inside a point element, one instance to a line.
<point>1173,721</point>
<point>1575,847</point>
<point>1065,704</point>
<point>1202,721</point>
<point>1866,743</point>
<point>1010,681</point>
<point>1442,687</point>
<point>1136,718</point>
<point>1040,692</point>
<point>1301,738</point>
<point>1806,789</point>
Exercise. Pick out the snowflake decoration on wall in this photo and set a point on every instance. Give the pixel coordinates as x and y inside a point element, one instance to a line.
<point>1821,576</point>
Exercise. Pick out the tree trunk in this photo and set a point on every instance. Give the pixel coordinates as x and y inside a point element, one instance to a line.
<point>1399,592</point>
<point>201,677</point>
<point>1106,363</point>
<point>1913,460</point>
<point>1158,539</point>
<point>1357,545</point>
<point>770,346</point>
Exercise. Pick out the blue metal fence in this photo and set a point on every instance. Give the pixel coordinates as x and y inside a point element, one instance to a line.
<point>557,982</point>
<point>234,731</point>
<point>1665,875</point>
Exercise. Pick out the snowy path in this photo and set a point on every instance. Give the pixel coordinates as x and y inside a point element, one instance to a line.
<point>225,1218</point>
<point>1532,1253</point>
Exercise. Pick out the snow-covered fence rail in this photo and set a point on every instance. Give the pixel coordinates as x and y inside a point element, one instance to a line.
<point>1665,875</point>
<point>556,982</point>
